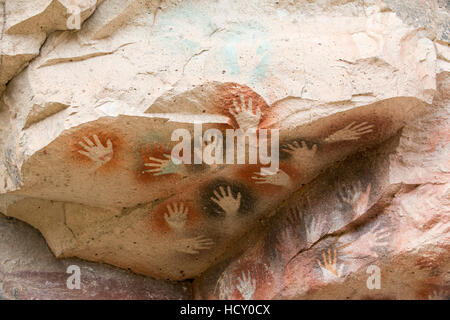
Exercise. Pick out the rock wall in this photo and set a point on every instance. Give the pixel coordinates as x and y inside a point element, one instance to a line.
<point>356,93</point>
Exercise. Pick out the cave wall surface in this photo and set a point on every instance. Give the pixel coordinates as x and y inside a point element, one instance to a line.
<point>356,94</point>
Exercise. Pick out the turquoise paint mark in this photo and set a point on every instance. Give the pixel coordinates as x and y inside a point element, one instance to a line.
<point>150,138</point>
<point>178,20</point>
<point>170,168</point>
<point>190,44</point>
<point>188,14</point>
<point>259,72</point>
<point>250,31</point>
<point>231,58</point>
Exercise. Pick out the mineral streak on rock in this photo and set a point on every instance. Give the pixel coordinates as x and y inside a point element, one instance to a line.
<point>92,92</point>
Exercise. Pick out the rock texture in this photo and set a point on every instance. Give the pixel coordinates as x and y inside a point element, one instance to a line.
<point>28,270</point>
<point>26,24</point>
<point>358,91</point>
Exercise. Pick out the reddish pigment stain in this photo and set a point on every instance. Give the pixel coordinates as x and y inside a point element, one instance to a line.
<point>257,271</point>
<point>104,134</point>
<point>157,221</point>
<point>158,151</point>
<point>245,173</point>
<point>437,138</point>
<point>229,93</point>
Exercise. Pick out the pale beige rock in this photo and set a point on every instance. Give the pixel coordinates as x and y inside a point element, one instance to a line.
<point>25,17</point>
<point>113,16</point>
<point>407,68</point>
<point>29,271</point>
<point>25,24</point>
<point>423,152</point>
<point>315,248</point>
<point>83,114</point>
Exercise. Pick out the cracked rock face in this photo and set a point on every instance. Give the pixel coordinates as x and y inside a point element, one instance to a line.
<point>354,96</point>
<point>30,271</point>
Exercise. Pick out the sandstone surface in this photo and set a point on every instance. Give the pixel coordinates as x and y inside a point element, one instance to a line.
<point>358,92</point>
